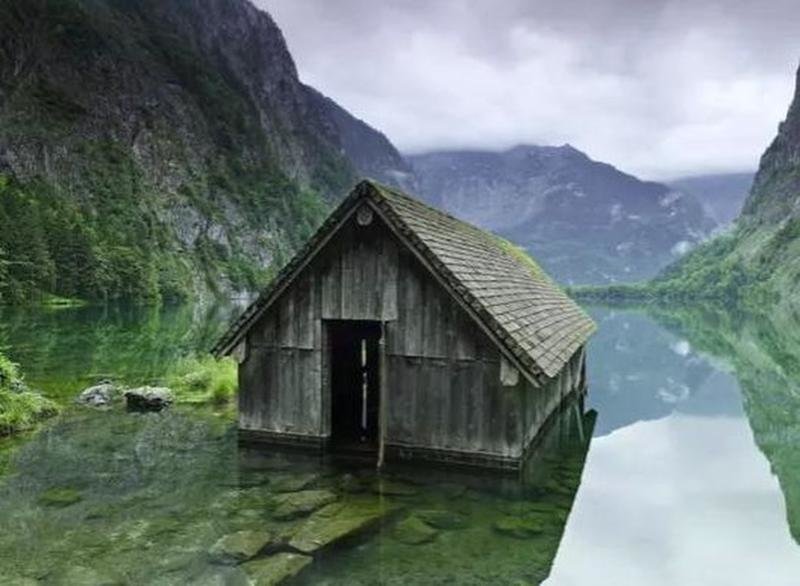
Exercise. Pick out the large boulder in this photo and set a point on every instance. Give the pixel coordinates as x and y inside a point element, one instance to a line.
<point>149,398</point>
<point>101,395</point>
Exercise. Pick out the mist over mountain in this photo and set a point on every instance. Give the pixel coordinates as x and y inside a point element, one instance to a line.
<point>585,221</point>
<point>758,263</point>
<point>722,195</point>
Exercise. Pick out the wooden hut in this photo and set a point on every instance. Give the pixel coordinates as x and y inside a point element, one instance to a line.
<point>400,329</point>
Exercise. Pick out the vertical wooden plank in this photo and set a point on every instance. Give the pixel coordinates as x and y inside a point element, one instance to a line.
<point>415,313</point>
<point>325,375</point>
<point>389,276</point>
<point>304,313</point>
<point>286,324</point>
<point>346,281</point>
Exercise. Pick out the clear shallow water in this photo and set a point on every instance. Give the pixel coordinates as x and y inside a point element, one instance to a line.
<point>692,476</point>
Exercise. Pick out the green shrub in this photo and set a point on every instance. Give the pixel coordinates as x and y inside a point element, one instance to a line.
<point>204,380</point>
<point>20,408</point>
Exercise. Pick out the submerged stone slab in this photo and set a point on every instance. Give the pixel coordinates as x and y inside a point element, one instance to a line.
<point>275,569</point>
<point>336,522</point>
<point>293,482</point>
<point>297,504</point>
<point>60,497</point>
<point>393,488</point>
<point>414,531</point>
<point>520,527</point>
<point>148,398</point>
<point>443,519</point>
<point>240,546</point>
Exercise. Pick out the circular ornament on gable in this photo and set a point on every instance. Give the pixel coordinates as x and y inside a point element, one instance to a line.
<point>364,216</point>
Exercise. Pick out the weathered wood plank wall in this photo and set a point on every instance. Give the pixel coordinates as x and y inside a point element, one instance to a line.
<point>444,388</point>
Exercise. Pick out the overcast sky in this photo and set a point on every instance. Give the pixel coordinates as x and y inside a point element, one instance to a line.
<point>659,88</point>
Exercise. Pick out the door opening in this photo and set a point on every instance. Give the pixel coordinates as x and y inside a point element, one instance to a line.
<point>355,384</point>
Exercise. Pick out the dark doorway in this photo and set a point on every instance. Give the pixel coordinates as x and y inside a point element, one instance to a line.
<point>355,385</point>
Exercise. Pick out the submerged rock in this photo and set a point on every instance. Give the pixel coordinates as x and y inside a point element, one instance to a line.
<point>414,531</point>
<point>443,519</point>
<point>393,488</point>
<point>293,482</point>
<point>148,398</point>
<point>100,395</point>
<point>60,497</point>
<point>77,574</point>
<point>240,546</point>
<point>297,504</point>
<point>520,527</point>
<point>336,522</point>
<point>275,568</point>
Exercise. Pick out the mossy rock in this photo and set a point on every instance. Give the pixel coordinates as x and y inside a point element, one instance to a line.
<point>78,574</point>
<point>335,522</point>
<point>275,569</point>
<point>520,527</point>
<point>414,531</point>
<point>19,581</point>
<point>298,504</point>
<point>293,482</point>
<point>443,519</point>
<point>60,497</point>
<point>393,488</point>
<point>351,484</point>
<point>240,546</point>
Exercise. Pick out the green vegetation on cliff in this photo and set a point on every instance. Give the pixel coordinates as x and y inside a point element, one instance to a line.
<point>154,150</point>
<point>757,264</point>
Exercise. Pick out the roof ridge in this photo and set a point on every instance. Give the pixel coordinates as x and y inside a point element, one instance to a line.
<point>526,312</point>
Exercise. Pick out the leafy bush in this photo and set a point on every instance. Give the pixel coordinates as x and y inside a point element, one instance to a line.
<point>204,380</point>
<point>20,408</point>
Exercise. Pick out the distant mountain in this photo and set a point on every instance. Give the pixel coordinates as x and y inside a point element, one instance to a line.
<point>587,222</point>
<point>161,149</point>
<point>759,262</point>
<point>722,195</point>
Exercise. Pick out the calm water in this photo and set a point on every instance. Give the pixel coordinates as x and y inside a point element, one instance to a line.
<point>688,474</point>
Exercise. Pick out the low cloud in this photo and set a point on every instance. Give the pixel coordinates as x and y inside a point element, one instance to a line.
<point>657,88</point>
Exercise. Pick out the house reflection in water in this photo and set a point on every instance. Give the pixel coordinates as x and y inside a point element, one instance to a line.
<point>412,524</point>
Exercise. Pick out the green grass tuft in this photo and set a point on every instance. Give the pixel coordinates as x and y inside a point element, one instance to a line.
<point>20,408</point>
<point>204,380</point>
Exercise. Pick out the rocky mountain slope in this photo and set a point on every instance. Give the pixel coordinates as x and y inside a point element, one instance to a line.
<point>161,148</point>
<point>722,195</point>
<point>586,221</point>
<point>759,263</point>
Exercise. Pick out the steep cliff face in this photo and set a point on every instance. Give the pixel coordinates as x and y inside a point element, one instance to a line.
<point>586,221</point>
<point>161,148</point>
<point>759,262</point>
<point>775,196</point>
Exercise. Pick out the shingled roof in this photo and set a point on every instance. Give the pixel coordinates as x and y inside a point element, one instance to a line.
<point>527,313</point>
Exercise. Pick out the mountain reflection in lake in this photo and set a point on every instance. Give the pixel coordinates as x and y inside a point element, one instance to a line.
<point>694,463</point>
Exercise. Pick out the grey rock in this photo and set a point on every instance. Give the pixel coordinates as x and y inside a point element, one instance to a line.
<point>100,395</point>
<point>149,398</point>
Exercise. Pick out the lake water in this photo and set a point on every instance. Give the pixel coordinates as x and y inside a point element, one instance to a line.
<point>686,471</point>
